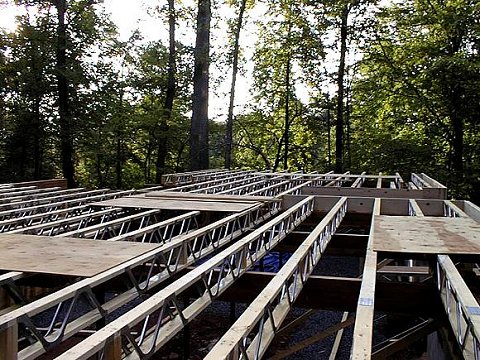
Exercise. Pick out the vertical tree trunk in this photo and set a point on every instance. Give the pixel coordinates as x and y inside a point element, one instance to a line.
<point>458,130</point>
<point>287,112</point>
<point>118,163</point>
<point>37,131</point>
<point>199,129</point>
<point>229,127</point>
<point>329,137</point>
<point>340,95</point>
<point>65,118</point>
<point>170,95</point>
<point>347,121</point>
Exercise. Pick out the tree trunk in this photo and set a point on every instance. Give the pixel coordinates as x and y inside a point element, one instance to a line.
<point>118,163</point>
<point>65,117</point>
<point>340,95</point>
<point>457,124</point>
<point>37,131</point>
<point>199,128</point>
<point>329,138</point>
<point>229,128</point>
<point>287,113</point>
<point>347,120</point>
<point>170,95</point>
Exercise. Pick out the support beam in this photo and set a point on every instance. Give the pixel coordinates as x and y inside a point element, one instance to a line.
<point>314,339</point>
<point>461,307</point>
<point>362,333</point>
<point>406,338</point>
<point>269,309</point>
<point>341,294</point>
<point>9,341</point>
<point>233,262</point>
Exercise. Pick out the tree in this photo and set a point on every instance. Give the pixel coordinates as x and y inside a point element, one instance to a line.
<point>170,95</point>
<point>26,92</point>
<point>64,112</point>
<point>420,70</point>
<point>199,128</point>
<point>289,47</point>
<point>235,55</point>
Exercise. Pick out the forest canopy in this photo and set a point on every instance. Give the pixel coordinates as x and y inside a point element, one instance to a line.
<point>345,85</point>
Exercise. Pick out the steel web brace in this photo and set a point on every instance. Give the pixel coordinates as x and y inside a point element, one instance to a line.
<point>14,292</point>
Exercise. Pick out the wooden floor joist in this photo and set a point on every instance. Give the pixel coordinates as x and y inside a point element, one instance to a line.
<point>283,290</point>
<point>363,329</point>
<point>238,218</point>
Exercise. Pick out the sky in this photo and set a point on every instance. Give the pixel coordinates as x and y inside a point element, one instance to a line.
<point>133,14</point>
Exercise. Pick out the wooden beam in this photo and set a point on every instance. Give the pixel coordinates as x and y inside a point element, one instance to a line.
<point>359,181</point>
<point>338,338</point>
<point>427,193</point>
<point>460,305</point>
<point>379,181</point>
<point>362,333</point>
<point>313,339</point>
<point>341,293</point>
<point>406,338</point>
<point>404,270</point>
<point>9,341</point>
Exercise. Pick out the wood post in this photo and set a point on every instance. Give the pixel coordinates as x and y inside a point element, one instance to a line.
<point>9,342</point>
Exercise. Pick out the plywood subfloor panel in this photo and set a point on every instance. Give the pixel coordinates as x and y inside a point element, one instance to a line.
<point>177,195</point>
<point>428,235</point>
<point>66,256</point>
<point>176,204</point>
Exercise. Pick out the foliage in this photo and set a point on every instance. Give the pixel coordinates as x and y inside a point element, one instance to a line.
<point>411,85</point>
<point>417,89</point>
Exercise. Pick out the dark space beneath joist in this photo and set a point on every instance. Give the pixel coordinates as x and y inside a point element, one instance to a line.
<point>341,294</point>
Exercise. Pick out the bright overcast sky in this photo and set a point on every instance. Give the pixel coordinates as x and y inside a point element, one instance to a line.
<point>132,14</point>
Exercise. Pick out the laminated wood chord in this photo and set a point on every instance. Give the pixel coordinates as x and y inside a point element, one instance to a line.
<point>268,311</point>
<point>461,307</point>
<point>200,243</point>
<point>363,329</point>
<point>234,261</point>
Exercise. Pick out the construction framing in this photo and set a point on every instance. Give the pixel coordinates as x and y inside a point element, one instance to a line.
<point>209,232</point>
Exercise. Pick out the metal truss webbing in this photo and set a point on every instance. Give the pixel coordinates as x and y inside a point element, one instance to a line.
<point>113,227</point>
<point>48,208</point>
<point>461,307</point>
<point>72,223</point>
<point>210,183</point>
<point>162,315</point>
<point>156,265</point>
<point>264,316</point>
<point>163,231</point>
